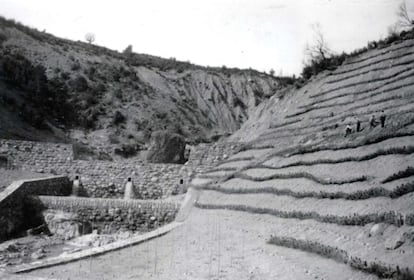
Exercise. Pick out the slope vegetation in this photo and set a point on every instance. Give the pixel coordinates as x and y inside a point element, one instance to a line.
<point>50,85</point>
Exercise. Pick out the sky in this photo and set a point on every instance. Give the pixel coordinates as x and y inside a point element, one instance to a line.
<point>261,34</point>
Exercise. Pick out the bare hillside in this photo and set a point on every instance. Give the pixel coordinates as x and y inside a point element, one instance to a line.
<point>59,89</point>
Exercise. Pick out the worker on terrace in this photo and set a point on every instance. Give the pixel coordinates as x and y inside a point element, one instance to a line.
<point>129,190</point>
<point>76,186</point>
<point>372,121</point>
<point>348,130</point>
<point>358,124</point>
<point>382,119</point>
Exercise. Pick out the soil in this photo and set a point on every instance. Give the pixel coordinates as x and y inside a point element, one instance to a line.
<point>211,244</point>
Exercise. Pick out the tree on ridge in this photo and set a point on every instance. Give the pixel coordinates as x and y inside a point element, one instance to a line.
<point>404,18</point>
<point>90,37</point>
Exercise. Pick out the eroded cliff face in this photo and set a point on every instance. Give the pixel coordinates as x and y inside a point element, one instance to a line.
<point>112,99</point>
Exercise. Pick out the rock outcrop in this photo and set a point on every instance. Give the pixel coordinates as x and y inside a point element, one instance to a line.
<point>166,147</point>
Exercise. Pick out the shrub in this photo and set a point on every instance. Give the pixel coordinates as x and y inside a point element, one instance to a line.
<point>99,89</point>
<point>306,175</point>
<point>65,76</point>
<point>391,217</point>
<point>399,175</point>
<point>46,98</point>
<point>380,269</point>
<point>79,84</point>
<point>91,73</point>
<point>75,66</point>
<point>381,152</point>
<point>317,66</point>
<point>113,138</point>
<point>3,38</point>
<point>128,50</point>
<point>314,67</point>
<point>118,118</point>
<point>358,195</point>
<point>127,150</point>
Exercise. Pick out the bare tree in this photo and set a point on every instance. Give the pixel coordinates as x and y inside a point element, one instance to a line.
<point>90,37</point>
<point>319,50</point>
<point>404,18</point>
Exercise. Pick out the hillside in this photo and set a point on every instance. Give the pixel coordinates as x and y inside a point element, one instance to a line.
<point>55,89</point>
<point>300,200</point>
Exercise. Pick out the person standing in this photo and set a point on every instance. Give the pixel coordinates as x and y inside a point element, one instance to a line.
<point>358,125</point>
<point>372,121</point>
<point>76,186</point>
<point>129,190</point>
<point>382,119</point>
<point>348,130</point>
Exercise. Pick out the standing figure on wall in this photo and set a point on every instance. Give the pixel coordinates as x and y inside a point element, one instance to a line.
<point>129,190</point>
<point>76,186</point>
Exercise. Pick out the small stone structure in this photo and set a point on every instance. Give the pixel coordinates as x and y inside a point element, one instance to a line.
<point>12,201</point>
<point>108,216</point>
<point>23,205</point>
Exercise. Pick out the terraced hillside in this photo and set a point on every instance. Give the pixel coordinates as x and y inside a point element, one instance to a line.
<point>348,198</point>
<point>300,201</point>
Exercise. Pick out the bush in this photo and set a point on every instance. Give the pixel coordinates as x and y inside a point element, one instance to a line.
<point>399,175</point>
<point>46,98</point>
<point>3,38</point>
<point>306,175</point>
<point>79,84</point>
<point>381,152</point>
<point>357,195</point>
<point>380,269</point>
<point>127,150</point>
<point>315,67</point>
<point>75,66</point>
<point>118,118</point>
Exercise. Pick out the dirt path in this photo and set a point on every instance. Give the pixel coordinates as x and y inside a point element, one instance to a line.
<point>211,244</point>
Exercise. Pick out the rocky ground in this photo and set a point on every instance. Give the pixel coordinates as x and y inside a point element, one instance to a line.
<point>32,248</point>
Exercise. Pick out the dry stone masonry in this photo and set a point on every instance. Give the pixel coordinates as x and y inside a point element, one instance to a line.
<point>106,179</point>
<point>12,212</point>
<point>106,216</point>
<point>36,154</point>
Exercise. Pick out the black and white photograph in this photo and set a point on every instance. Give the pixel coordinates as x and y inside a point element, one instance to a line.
<point>207,140</point>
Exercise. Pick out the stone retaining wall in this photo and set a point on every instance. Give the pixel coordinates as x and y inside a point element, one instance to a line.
<point>210,154</point>
<point>107,179</point>
<point>12,207</point>
<point>109,216</point>
<point>36,154</point>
